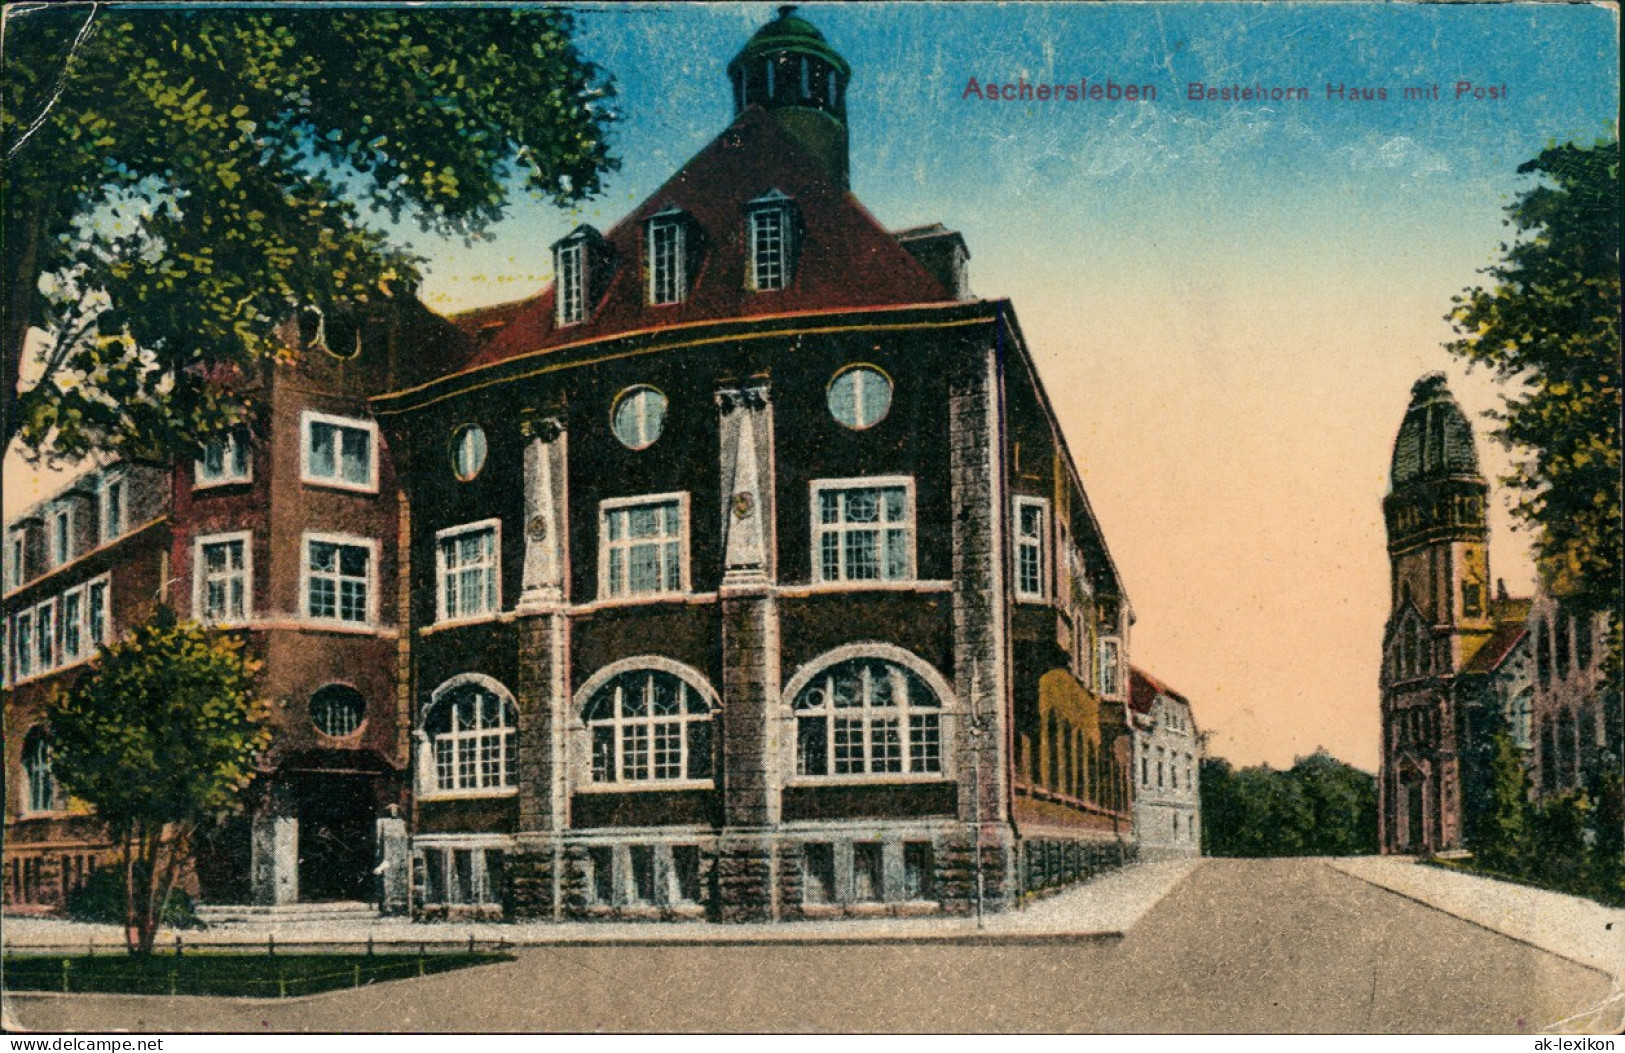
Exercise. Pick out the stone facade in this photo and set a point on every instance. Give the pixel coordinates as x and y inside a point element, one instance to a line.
<point>1167,773</point>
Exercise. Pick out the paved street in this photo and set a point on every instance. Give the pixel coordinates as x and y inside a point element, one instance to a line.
<point>1244,946</point>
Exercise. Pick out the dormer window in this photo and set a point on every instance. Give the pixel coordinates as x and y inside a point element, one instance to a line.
<point>580,267</point>
<point>667,257</point>
<point>571,297</point>
<point>770,221</point>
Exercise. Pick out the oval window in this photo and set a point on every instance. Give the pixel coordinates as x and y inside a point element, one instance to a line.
<point>638,417</point>
<point>337,710</point>
<point>859,396</point>
<point>468,451</point>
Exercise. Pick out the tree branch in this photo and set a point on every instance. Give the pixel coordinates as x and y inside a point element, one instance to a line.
<point>61,83</point>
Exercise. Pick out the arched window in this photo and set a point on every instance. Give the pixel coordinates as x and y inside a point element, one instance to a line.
<point>1560,643</point>
<point>1584,626</point>
<point>868,716</point>
<point>1543,652</point>
<point>470,733</point>
<point>42,790</point>
<point>648,725</point>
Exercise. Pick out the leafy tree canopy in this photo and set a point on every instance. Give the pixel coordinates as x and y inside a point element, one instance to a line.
<point>1320,806</point>
<point>1549,322</point>
<point>178,178</point>
<point>160,735</point>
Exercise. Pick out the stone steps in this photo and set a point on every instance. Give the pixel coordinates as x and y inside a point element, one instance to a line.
<point>285,914</point>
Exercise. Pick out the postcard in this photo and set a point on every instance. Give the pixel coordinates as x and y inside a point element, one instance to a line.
<point>678,517</point>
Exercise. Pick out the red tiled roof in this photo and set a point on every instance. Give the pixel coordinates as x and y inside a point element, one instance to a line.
<point>1143,689</point>
<point>846,259</point>
<point>1495,650</point>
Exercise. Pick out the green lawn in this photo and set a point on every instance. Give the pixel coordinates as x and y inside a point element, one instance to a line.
<point>242,975</point>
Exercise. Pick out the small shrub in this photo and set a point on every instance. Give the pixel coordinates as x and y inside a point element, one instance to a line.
<point>101,899</point>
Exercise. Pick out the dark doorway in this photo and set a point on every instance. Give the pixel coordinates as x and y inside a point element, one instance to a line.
<point>222,860</point>
<point>337,817</point>
<point>1413,816</point>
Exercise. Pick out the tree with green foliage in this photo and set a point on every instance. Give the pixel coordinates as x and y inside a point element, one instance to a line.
<point>179,179</point>
<point>1319,806</point>
<point>160,735</point>
<point>1502,829</point>
<point>1549,324</point>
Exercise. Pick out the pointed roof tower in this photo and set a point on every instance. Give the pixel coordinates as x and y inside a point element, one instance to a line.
<point>789,70</point>
<point>1435,441</point>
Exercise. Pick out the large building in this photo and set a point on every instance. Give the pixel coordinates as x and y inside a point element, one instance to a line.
<point>1461,663</point>
<point>1167,767</point>
<point>743,572</point>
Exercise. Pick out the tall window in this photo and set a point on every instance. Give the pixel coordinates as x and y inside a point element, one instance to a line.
<point>570,264</point>
<point>112,507</point>
<point>42,788</point>
<point>340,452</point>
<point>667,262</point>
<point>1032,548</point>
<point>643,546</point>
<point>45,635</point>
<point>1110,677</point>
<point>648,726</point>
<point>225,460</point>
<point>863,529</point>
<point>467,558</point>
<point>770,227</point>
<point>471,734</point>
<point>23,641</point>
<point>222,578</point>
<point>338,579</point>
<point>14,566</point>
<point>868,716</point>
<point>96,613</point>
<point>61,537</point>
<point>73,635</point>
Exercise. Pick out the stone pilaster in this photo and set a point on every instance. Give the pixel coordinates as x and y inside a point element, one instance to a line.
<point>543,630</point>
<point>274,850</point>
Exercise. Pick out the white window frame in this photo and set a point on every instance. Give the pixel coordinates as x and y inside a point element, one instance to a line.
<point>232,443</point>
<point>820,529</point>
<point>428,756</point>
<point>32,773</point>
<point>19,557</point>
<point>1109,670</point>
<point>60,539</point>
<point>111,484</point>
<point>624,730</point>
<point>675,288</point>
<point>570,288</point>
<point>77,625</point>
<point>47,645</point>
<point>305,572</point>
<point>494,588</point>
<point>200,585</point>
<point>778,274</point>
<point>22,650</point>
<point>1025,543</point>
<point>97,632</point>
<point>307,422</point>
<point>605,545</point>
<point>946,713</point>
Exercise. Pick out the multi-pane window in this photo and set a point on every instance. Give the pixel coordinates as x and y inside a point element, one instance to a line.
<point>648,726</point>
<point>14,563</point>
<point>867,716</point>
<point>863,530</point>
<point>222,579</point>
<point>42,787</point>
<point>467,559</point>
<point>859,397</point>
<point>96,613</point>
<point>45,635</point>
<point>472,738</point>
<point>224,460</point>
<point>1032,549</point>
<point>643,546</point>
<point>771,231</point>
<point>338,579</point>
<point>638,416</point>
<point>340,452</point>
<point>23,641</point>
<point>73,628</point>
<point>61,535</point>
<point>667,265</point>
<point>112,508</point>
<point>1109,676</point>
<point>569,263</point>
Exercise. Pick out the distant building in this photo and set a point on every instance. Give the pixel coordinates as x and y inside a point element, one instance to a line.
<point>1167,769</point>
<point>1460,664</point>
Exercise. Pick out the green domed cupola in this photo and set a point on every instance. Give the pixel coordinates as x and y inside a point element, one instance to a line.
<point>789,70</point>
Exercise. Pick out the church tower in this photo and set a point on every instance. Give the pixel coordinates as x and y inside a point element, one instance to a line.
<point>789,70</point>
<point>1439,615</point>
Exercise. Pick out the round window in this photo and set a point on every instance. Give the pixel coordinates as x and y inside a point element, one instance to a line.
<point>639,416</point>
<point>468,451</point>
<point>337,710</point>
<point>859,396</point>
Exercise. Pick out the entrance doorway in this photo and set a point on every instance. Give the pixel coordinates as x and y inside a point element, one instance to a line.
<point>1413,816</point>
<point>337,817</point>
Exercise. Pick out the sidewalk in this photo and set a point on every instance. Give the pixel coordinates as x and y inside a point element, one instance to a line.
<point>1580,930</point>
<point>1104,908</point>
